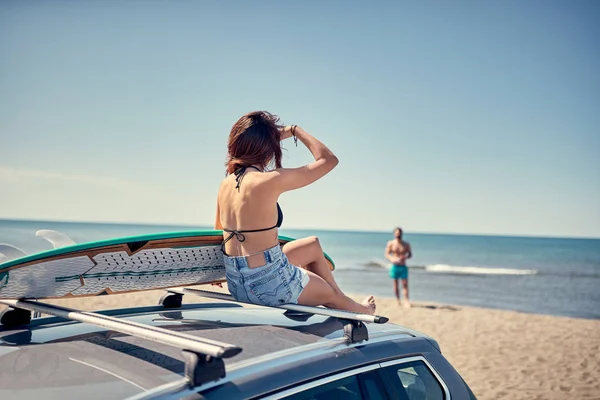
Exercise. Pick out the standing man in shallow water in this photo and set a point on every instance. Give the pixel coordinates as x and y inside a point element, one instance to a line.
<point>397,252</point>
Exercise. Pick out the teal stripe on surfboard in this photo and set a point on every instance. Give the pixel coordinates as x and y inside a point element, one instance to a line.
<point>123,240</point>
<point>108,242</point>
<point>135,273</point>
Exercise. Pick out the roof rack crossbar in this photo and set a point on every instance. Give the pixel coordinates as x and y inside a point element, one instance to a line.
<point>180,340</point>
<point>340,314</point>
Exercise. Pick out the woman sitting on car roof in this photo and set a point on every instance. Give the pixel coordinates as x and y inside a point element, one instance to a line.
<point>258,269</point>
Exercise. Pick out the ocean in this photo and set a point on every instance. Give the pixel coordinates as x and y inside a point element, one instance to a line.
<point>529,274</point>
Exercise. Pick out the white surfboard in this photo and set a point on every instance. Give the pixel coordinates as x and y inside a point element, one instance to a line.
<point>9,252</point>
<point>135,263</point>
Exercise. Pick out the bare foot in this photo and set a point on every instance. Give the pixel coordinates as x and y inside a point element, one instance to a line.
<point>407,304</point>
<point>369,302</point>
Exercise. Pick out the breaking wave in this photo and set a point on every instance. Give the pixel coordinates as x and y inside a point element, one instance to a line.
<point>457,269</point>
<point>452,269</point>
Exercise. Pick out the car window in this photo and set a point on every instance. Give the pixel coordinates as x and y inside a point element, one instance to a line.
<point>415,381</point>
<point>342,389</point>
<point>372,386</point>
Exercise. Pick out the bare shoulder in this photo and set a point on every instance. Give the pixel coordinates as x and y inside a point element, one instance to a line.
<point>221,187</point>
<point>406,244</point>
<point>272,180</point>
<point>277,174</point>
<point>286,179</point>
<point>263,186</point>
<point>268,179</point>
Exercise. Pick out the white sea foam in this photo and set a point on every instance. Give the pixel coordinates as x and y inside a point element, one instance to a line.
<point>455,269</point>
<point>378,263</point>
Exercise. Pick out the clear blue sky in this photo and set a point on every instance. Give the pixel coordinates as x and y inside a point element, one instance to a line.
<point>475,117</point>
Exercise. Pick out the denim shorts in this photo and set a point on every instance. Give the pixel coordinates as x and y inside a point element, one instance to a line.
<point>275,283</point>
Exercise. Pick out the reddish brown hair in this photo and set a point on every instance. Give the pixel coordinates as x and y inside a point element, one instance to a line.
<point>255,139</point>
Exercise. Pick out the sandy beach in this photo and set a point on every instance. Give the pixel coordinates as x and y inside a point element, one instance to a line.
<point>501,354</point>
<point>511,355</point>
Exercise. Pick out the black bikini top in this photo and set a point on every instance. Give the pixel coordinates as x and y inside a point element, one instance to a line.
<point>239,234</point>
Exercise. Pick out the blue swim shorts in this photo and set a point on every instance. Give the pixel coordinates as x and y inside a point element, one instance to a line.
<point>398,271</point>
<point>275,283</point>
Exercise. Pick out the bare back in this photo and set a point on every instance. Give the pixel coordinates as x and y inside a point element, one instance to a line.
<point>254,206</point>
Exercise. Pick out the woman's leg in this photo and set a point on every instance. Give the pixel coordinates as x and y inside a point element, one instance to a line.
<point>308,254</point>
<point>318,292</point>
<point>322,288</point>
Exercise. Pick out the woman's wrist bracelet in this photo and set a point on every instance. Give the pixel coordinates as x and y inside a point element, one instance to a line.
<point>294,134</point>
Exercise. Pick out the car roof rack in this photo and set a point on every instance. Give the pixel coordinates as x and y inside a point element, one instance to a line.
<point>354,327</point>
<point>204,357</point>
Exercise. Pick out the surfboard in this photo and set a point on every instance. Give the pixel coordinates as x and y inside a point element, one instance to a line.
<point>9,252</point>
<point>135,263</point>
<point>56,239</point>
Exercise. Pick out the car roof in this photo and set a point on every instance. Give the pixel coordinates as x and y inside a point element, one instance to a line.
<point>54,357</point>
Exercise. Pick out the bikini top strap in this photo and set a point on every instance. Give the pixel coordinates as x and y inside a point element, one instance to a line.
<point>239,235</point>
<point>239,173</point>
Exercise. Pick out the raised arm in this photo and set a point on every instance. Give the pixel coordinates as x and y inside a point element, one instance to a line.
<point>294,178</point>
